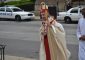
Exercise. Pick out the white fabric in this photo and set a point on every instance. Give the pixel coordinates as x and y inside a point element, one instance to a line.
<point>80,32</point>
<point>57,43</point>
<point>60,27</point>
<point>42,55</point>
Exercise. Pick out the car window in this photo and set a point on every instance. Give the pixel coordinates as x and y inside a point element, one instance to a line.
<point>2,9</point>
<point>74,11</point>
<point>8,10</point>
<point>16,9</point>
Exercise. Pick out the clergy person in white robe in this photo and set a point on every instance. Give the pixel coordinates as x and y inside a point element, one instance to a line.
<point>56,41</point>
<point>81,35</point>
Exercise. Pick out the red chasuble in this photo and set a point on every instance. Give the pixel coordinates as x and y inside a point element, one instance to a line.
<point>47,51</point>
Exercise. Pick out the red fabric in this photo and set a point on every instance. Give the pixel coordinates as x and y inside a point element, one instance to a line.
<point>47,51</point>
<point>42,13</point>
<point>43,17</point>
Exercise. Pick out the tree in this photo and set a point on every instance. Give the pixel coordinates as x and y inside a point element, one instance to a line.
<point>2,2</point>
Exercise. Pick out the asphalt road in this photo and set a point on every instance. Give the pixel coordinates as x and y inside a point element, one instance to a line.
<point>23,38</point>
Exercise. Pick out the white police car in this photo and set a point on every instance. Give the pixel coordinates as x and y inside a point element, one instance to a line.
<point>12,12</point>
<point>73,14</point>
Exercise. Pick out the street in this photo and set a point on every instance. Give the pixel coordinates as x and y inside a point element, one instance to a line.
<point>23,38</point>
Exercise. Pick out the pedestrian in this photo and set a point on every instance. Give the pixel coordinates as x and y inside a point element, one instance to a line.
<point>81,35</point>
<point>43,10</point>
<point>53,42</point>
<point>68,6</point>
<point>44,48</point>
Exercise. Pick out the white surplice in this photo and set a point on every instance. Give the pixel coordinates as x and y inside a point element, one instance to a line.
<point>57,43</point>
<point>80,32</point>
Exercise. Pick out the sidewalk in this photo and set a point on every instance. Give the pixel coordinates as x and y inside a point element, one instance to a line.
<point>7,57</point>
<point>37,17</point>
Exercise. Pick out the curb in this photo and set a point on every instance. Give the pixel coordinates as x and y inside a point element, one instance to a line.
<point>7,57</point>
<point>37,17</point>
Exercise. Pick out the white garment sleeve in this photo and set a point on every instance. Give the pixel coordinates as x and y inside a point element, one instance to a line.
<point>60,26</point>
<point>78,31</point>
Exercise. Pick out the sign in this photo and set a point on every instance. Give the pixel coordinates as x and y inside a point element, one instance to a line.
<point>6,14</point>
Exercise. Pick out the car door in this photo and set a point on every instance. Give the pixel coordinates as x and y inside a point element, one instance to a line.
<point>74,14</point>
<point>8,13</point>
<point>2,12</point>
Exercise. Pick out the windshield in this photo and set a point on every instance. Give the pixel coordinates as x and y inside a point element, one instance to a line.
<point>16,9</point>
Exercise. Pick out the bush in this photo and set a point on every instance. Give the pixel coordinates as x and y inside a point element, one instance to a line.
<point>27,7</point>
<point>24,4</point>
<point>18,3</point>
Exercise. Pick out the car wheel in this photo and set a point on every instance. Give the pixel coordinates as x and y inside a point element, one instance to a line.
<point>67,20</point>
<point>17,18</point>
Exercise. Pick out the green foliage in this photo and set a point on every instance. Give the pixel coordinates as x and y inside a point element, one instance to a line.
<point>27,5</point>
<point>33,0</point>
<point>20,2</point>
<point>29,0</point>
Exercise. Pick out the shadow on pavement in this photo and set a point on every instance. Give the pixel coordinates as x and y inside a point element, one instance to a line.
<point>73,22</point>
<point>74,51</point>
<point>26,20</point>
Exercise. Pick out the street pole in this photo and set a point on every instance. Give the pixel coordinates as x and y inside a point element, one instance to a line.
<point>57,3</point>
<point>79,2</point>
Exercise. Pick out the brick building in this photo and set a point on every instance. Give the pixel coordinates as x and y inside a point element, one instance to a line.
<point>61,3</point>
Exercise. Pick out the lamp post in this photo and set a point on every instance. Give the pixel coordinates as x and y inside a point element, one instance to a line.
<point>57,2</point>
<point>79,2</point>
<point>57,5</point>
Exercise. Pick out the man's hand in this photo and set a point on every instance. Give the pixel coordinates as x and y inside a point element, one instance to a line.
<point>82,38</point>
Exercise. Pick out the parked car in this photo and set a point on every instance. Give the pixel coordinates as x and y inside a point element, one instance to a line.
<point>72,14</point>
<point>12,12</point>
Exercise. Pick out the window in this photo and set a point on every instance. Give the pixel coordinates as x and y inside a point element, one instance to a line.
<point>8,10</point>
<point>74,11</point>
<point>2,9</point>
<point>16,9</point>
